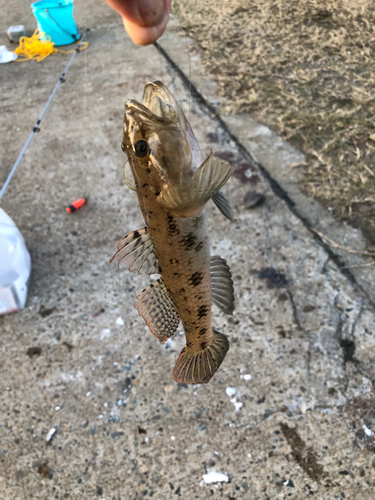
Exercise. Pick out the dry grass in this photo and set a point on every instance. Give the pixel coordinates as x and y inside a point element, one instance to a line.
<point>305,68</point>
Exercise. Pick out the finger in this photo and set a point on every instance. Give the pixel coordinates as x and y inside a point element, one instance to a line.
<point>145,35</point>
<point>143,13</point>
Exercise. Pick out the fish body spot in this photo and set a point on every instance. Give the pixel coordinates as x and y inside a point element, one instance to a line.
<point>172,226</point>
<point>196,278</point>
<point>189,240</point>
<point>199,246</point>
<point>202,332</point>
<point>202,311</point>
<point>198,221</point>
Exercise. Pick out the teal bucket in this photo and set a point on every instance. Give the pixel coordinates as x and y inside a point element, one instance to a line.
<point>55,18</point>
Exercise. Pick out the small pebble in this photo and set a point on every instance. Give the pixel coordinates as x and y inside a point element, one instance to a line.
<point>252,199</point>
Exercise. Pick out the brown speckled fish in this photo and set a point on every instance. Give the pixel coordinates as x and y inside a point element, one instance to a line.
<point>173,187</point>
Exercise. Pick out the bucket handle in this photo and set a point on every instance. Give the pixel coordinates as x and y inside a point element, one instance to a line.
<point>75,37</point>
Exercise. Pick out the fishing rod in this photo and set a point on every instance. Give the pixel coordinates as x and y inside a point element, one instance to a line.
<point>36,126</point>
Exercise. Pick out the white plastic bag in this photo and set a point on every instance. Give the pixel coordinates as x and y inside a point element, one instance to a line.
<point>15,266</point>
<point>7,55</point>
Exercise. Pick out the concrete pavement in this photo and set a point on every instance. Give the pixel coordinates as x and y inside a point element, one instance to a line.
<point>291,412</point>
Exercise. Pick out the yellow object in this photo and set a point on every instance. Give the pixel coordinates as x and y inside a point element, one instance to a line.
<point>38,49</point>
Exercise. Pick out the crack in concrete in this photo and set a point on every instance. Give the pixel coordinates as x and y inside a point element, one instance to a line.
<point>325,264</point>
<point>348,344</point>
<point>338,333</point>
<point>294,311</point>
<point>306,334</point>
<point>356,319</point>
<point>210,110</point>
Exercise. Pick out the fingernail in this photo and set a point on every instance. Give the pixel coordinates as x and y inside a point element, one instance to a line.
<point>151,11</point>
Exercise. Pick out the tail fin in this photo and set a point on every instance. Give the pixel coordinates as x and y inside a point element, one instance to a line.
<point>199,366</point>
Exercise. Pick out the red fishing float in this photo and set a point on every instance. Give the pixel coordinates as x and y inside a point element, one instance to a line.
<point>75,205</point>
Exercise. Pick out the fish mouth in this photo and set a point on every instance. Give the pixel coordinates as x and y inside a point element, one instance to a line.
<point>158,105</point>
<point>160,118</point>
<point>158,99</point>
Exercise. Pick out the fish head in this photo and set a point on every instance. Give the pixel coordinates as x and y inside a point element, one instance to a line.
<point>157,137</point>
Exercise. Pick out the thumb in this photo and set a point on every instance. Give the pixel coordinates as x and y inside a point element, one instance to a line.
<point>144,20</point>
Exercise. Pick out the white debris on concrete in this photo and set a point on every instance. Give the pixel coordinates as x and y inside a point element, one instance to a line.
<point>231,391</point>
<point>215,477</point>
<point>120,321</point>
<point>50,434</point>
<point>368,431</point>
<point>247,376</point>
<point>237,404</point>
<point>105,333</point>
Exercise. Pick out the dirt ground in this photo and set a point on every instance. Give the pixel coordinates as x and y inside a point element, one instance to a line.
<point>88,406</point>
<point>306,70</point>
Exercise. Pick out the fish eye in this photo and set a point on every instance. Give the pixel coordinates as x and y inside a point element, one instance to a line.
<point>141,148</point>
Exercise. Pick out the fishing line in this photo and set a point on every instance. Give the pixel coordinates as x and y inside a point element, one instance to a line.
<point>163,59</point>
<point>189,57</point>
<point>38,122</point>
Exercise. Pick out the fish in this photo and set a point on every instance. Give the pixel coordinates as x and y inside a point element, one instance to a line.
<point>173,186</point>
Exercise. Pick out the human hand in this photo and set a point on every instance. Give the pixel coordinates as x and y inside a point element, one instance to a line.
<point>144,20</point>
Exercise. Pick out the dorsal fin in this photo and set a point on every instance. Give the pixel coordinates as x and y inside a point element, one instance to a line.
<point>188,197</point>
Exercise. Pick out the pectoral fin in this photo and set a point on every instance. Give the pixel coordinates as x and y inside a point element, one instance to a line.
<point>188,197</point>
<point>155,306</point>
<point>128,177</point>
<point>223,204</point>
<point>137,251</point>
<point>222,285</point>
